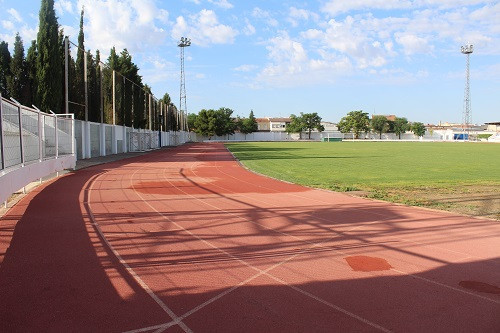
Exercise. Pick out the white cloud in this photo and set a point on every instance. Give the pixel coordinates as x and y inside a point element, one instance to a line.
<point>249,28</point>
<point>291,65</point>
<point>335,7</point>
<point>413,44</point>
<point>203,29</point>
<point>265,15</point>
<point>62,6</point>
<point>159,70</point>
<point>131,24</point>
<point>163,16</point>
<point>8,25</point>
<point>15,15</point>
<point>222,3</point>
<point>296,15</point>
<point>245,68</point>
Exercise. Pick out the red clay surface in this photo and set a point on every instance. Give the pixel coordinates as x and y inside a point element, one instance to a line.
<point>185,239</point>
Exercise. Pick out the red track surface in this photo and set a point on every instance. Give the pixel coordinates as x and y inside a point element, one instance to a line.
<point>185,239</point>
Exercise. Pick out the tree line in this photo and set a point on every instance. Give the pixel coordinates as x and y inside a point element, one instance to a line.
<point>220,122</point>
<point>38,79</point>
<point>358,122</point>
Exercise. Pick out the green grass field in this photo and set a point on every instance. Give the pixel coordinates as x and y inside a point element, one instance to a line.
<point>457,176</point>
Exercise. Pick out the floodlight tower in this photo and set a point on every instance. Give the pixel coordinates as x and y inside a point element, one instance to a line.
<point>467,50</point>
<point>183,43</point>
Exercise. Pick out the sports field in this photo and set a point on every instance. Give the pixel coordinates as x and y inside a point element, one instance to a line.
<point>454,176</point>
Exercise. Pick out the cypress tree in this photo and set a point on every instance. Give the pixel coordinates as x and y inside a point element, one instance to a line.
<point>31,68</point>
<point>17,82</point>
<point>80,72</point>
<point>48,65</point>
<point>4,67</point>
<point>93,88</point>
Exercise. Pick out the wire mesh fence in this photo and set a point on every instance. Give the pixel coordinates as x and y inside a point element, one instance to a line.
<point>31,135</point>
<point>28,135</point>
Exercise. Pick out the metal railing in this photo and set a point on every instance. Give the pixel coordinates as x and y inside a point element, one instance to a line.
<point>29,136</point>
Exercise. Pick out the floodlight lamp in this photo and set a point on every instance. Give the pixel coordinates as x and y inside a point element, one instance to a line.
<point>467,49</point>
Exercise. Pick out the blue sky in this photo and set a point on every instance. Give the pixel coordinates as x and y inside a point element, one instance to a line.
<point>282,57</point>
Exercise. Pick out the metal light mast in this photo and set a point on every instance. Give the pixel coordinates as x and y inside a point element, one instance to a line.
<point>183,43</point>
<point>467,50</point>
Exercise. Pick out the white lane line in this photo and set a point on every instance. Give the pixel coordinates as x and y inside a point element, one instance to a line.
<point>124,263</point>
<point>260,272</point>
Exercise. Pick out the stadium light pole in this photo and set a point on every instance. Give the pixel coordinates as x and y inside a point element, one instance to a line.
<point>183,43</point>
<point>467,50</point>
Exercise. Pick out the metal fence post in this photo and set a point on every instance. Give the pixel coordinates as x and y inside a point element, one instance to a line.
<point>40,151</point>
<point>72,136</point>
<point>56,137</point>
<point>66,75</point>
<point>114,98</point>
<point>1,134</point>
<point>21,133</point>
<point>85,81</point>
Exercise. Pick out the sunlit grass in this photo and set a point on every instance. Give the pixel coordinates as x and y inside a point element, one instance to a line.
<point>386,170</point>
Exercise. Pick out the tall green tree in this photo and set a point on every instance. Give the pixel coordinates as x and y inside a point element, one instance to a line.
<point>215,122</point>
<point>93,86</point>
<point>225,124</point>
<point>49,69</point>
<point>80,74</point>
<point>31,68</point>
<point>206,123</point>
<point>311,121</point>
<point>191,120</point>
<point>5,59</point>
<point>380,125</point>
<point>18,81</point>
<point>296,125</point>
<point>418,129</point>
<point>355,121</point>
<point>248,125</point>
<point>400,126</point>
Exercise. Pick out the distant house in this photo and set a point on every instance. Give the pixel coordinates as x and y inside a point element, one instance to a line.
<point>493,127</point>
<point>263,124</point>
<point>278,124</point>
<point>268,124</point>
<point>329,126</point>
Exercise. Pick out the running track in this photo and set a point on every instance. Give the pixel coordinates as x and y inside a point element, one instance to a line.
<point>185,239</point>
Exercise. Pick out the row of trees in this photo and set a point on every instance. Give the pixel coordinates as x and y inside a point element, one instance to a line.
<point>38,79</point>
<point>358,122</point>
<point>220,122</point>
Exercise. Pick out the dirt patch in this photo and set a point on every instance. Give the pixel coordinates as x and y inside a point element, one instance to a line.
<point>475,200</point>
